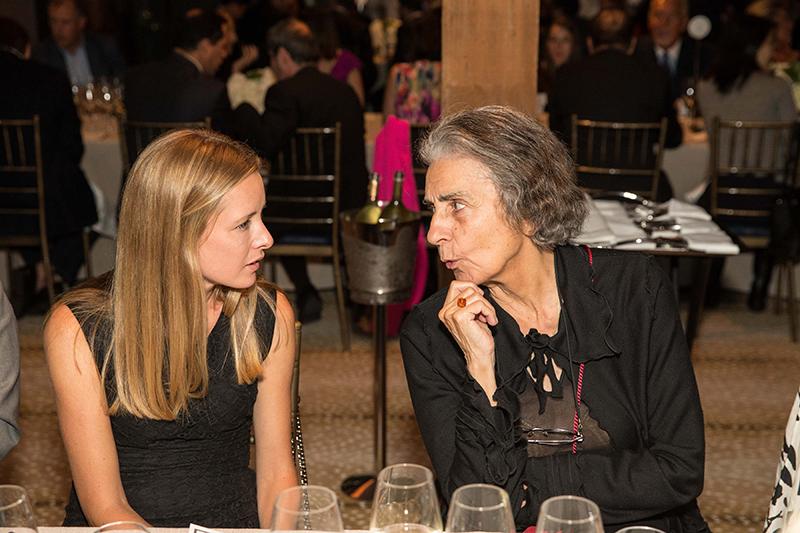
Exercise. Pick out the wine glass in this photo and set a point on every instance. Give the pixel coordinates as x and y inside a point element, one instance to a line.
<point>306,507</point>
<point>480,507</point>
<point>123,525</point>
<point>16,512</point>
<point>405,501</point>
<point>640,529</point>
<point>569,514</point>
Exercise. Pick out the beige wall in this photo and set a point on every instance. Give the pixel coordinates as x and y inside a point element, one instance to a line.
<point>489,53</point>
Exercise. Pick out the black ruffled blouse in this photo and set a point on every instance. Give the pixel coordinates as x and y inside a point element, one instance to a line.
<point>619,318</point>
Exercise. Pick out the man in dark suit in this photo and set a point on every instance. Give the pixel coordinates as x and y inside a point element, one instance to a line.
<point>83,56</point>
<point>612,85</point>
<point>305,97</point>
<point>30,88</point>
<point>182,87</point>
<point>670,47</point>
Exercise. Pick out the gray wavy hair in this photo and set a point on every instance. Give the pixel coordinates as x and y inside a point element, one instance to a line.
<point>531,169</point>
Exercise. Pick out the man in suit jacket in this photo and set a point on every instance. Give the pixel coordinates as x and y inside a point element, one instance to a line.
<point>612,85</point>
<point>83,56</point>
<point>670,48</point>
<point>305,97</point>
<point>182,87</point>
<point>30,88</point>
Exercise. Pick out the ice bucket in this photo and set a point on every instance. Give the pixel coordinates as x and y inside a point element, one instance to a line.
<point>379,258</point>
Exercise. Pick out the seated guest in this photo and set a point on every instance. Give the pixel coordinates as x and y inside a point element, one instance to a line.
<point>534,333</point>
<point>9,377</point>
<point>162,366</point>
<point>85,57</point>
<point>611,84</point>
<point>414,84</point>
<point>561,46</point>
<point>340,63</point>
<point>182,87</point>
<point>305,97</point>
<point>741,87</point>
<point>670,47</point>
<point>29,89</point>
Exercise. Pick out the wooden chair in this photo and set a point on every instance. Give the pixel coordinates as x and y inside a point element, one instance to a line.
<point>136,135</point>
<point>296,435</point>
<point>22,176</point>
<point>298,451</point>
<point>618,156</point>
<point>303,204</point>
<point>751,165</point>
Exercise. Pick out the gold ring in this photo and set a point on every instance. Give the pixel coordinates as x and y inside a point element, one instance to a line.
<point>461,302</point>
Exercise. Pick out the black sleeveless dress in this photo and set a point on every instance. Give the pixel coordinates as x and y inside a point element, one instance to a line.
<point>194,469</point>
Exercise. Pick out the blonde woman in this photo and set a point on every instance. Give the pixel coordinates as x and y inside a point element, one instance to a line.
<point>161,368</point>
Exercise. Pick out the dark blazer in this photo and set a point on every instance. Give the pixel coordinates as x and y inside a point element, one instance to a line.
<point>312,99</point>
<point>612,85</point>
<point>683,77</point>
<point>173,90</point>
<point>105,59</point>
<point>638,385</point>
<point>31,88</point>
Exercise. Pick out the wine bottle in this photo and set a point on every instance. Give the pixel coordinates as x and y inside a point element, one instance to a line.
<point>371,212</point>
<point>395,212</point>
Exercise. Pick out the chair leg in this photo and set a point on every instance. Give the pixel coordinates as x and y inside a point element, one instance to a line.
<point>87,253</point>
<point>48,272</point>
<point>344,323</point>
<point>779,289</point>
<point>791,303</point>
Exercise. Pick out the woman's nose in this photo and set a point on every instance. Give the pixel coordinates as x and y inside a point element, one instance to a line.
<point>265,239</point>
<point>437,231</point>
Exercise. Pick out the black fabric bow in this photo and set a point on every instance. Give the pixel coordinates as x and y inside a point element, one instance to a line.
<point>541,365</point>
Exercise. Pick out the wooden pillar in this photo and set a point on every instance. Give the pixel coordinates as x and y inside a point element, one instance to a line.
<point>489,53</point>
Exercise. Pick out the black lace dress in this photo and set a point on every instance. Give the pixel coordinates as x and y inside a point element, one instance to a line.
<point>194,469</point>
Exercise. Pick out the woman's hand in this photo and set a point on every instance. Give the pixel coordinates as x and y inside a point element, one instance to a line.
<point>469,325</point>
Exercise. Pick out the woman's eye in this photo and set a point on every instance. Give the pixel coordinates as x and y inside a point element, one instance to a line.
<point>244,225</point>
<point>458,206</point>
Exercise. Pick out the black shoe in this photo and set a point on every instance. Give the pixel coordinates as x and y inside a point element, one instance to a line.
<point>757,299</point>
<point>309,306</point>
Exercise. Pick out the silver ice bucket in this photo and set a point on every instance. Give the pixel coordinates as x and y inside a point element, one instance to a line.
<point>380,260</point>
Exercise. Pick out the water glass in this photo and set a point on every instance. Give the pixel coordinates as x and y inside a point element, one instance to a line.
<point>16,512</point>
<point>479,507</point>
<point>640,529</point>
<point>123,525</point>
<point>307,507</point>
<point>569,514</point>
<point>405,501</point>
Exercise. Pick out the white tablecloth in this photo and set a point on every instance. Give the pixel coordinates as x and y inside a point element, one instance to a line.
<point>687,166</point>
<point>102,164</point>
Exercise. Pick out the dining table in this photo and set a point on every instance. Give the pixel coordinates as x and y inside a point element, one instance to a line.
<point>674,230</point>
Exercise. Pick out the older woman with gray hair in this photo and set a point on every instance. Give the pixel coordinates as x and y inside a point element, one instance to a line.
<point>545,368</point>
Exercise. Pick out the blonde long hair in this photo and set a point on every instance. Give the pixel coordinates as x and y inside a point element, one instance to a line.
<point>154,309</point>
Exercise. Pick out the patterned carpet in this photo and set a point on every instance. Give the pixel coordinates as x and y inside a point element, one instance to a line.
<point>747,369</point>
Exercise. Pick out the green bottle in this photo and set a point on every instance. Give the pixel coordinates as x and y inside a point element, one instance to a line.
<point>395,212</point>
<point>371,212</point>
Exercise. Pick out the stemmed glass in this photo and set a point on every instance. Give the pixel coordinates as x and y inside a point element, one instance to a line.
<point>307,507</point>
<point>640,529</point>
<point>16,512</point>
<point>569,514</point>
<point>405,501</point>
<point>479,507</point>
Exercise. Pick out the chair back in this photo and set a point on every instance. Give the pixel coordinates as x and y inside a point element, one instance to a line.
<point>22,203</point>
<point>298,452</point>
<point>136,135</point>
<point>618,156</point>
<point>751,164</point>
<point>303,191</point>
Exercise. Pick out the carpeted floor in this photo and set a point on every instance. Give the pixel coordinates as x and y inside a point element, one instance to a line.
<point>747,369</point>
